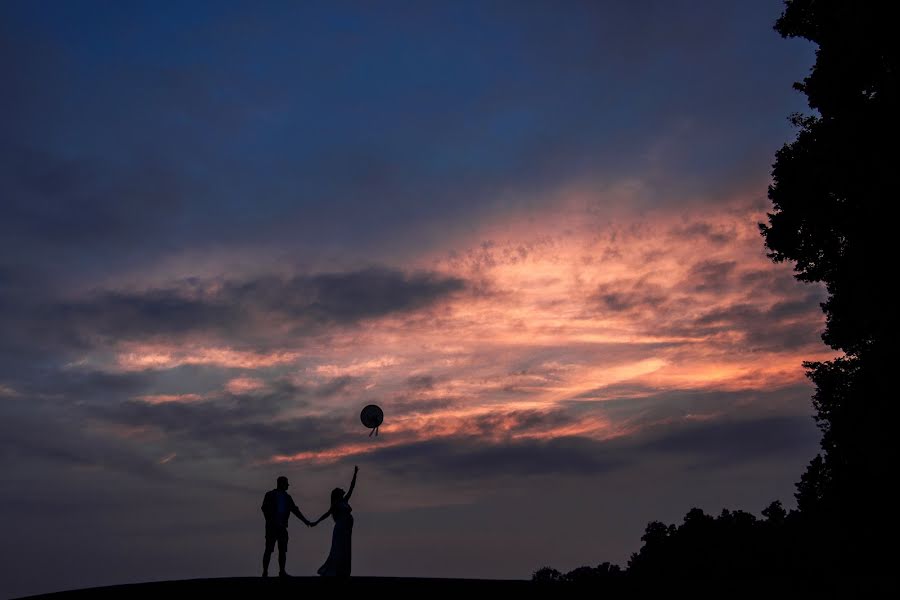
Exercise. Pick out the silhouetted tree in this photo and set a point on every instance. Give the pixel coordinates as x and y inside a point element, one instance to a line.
<point>582,575</point>
<point>831,188</point>
<point>735,544</point>
<point>601,572</point>
<point>547,574</point>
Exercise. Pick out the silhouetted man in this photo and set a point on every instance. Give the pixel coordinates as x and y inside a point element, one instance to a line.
<point>277,506</point>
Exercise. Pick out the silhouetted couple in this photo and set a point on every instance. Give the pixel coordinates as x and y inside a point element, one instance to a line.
<point>277,507</point>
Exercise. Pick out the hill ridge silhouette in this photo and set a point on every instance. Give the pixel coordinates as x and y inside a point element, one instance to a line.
<point>257,587</point>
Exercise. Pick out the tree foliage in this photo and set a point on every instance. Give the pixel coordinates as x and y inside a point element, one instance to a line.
<point>833,185</point>
<point>832,189</point>
<point>581,575</point>
<point>735,544</point>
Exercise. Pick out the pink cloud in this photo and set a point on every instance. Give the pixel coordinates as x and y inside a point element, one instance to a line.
<point>245,385</point>
<point>164,398</point>
<point>357,368</point>
<point>663,302</point>
<point>136,357</point>
<point>570,306</point>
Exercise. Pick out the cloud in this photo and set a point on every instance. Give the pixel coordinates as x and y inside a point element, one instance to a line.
<point>703,231</point>
<point>415,406</point>
<point>711,276</point>
<point>49,434</point>
<point>236,429</point>
<point>727,442</point>
<point>82,385</point>
<point>716,443</point>
<point>303,304</point>
<point>134,356</point>
<point>421,382</point>
<point>272,417</point>
<point>628,295</point>
<point>472,459</point>
<point>237,324</point>
<point>782,326</point>
<point>247,368</point>
<point>350,297</point>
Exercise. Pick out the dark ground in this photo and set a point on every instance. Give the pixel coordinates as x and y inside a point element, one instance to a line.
<point>293,587</point>
<point>274,588</point>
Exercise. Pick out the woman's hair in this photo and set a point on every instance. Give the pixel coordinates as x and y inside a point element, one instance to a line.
<point>337,494</point>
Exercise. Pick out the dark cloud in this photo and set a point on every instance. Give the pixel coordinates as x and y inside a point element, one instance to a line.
<point>334,386</point>
<point>628,295</point>
<point>791,322</point>
<point>75,386</point>
<point>229,427</point>
<point>70,203</point>
<point>53,433</point>
<point>711,276</point>
<point>161,312</point>
<point>728,317</point>
<point>238,428</point>
<point>644,408</point>
<point>720,443</point>
<point>725,443</point>
<point>254,308</point>
<point>518,421</point>
<point>802,307</point>
<point>217,425</point>
<point>706,231</point>
<point>773,281</point>
<point>255,427</point>
<point>266,402</point>
<point>785,325</point>
<point>39,327</point>
<point>347,297</point>
<point>413,406</point>
<point>421,382</point>
<point>463,459</point>
<point>82,384</point>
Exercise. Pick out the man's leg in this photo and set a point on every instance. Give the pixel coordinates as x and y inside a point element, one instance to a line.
<point>267,555</point>
<point>282,551</point>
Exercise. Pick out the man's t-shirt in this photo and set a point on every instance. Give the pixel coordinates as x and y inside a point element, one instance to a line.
<point>282,508</point>
<point>277,507</point>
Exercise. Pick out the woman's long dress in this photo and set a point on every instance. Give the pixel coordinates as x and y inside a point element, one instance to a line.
<point>338,562</point>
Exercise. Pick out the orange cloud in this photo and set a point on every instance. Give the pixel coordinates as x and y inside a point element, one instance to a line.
<point>358,367</point>
<point>164,398</point>
<point>244,385</point>
<point>137,357</point>
<point>572,307</point>
<point>564,308</point>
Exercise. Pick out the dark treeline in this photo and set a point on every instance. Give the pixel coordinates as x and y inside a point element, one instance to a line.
<point>831,192</point>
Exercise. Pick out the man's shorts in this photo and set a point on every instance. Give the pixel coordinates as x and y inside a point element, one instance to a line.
<point>278,534</point>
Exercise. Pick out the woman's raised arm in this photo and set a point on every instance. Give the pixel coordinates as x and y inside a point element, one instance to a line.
<point>352,484</point>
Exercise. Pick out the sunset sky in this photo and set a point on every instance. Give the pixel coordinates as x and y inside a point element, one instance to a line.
<point>527,230</point>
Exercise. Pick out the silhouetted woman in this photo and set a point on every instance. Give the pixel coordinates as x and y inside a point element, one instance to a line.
<point>338,562</point>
